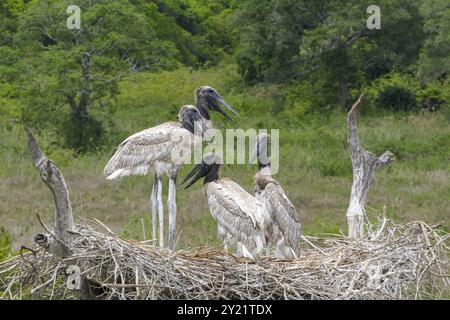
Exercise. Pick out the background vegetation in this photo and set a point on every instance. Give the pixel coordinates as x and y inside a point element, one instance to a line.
<point>292,65</point>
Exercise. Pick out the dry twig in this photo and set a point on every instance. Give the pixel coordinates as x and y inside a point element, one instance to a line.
<point>393,262</point>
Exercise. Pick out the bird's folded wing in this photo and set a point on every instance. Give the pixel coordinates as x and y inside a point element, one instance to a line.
<point>145,147</point>
<point>246,202</point>
<point>283,214</point>
<point>228,209</point>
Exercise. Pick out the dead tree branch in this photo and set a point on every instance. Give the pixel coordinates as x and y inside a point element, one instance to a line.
<point>364,164</point>
<point>63,221</point>
<point>59,240</point>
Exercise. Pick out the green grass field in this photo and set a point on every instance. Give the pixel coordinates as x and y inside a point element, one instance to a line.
<point>315,168</point>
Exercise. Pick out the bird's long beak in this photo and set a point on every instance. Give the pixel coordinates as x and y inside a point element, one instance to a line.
<point>199,126</point>
<point>199,171</point>
<point>227,106</point>
<point>260,151</point>
<point>254,155</point>
<point>222,102</point>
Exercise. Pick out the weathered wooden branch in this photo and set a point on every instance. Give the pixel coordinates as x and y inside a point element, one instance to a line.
<point>57,240</point>
<point>364,164</point>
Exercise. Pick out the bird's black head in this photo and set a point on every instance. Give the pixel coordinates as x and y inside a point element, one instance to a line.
<point>207,98</point>
<point>208,168</point>
<point>190,119</point>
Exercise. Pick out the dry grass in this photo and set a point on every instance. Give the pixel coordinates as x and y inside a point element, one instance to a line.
<point>408,261</point>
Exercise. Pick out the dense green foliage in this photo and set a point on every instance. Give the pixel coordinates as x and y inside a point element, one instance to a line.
<point>434,60</point>
<point>68,79</point>
<point>320,52</point>
<point>327,43</point>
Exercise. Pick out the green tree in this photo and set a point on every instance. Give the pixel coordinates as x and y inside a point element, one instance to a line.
<point>271,35</point>
<point>327,42</point>
<point>201,29</point>
<point>71,76</point>
<point>9,10</point>
<point>434,61</point>
<point>344,54</point>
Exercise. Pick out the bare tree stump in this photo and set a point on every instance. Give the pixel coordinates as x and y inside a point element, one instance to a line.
<point>57,240</point>
<point>364,164</point>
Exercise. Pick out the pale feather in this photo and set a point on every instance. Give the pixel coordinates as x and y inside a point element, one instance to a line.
<point>137,154</point>
<point>283,214</point>
<point>237,211</point>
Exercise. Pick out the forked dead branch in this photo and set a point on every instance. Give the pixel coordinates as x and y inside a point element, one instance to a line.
<point>391,261</point>
<point>364,165</point>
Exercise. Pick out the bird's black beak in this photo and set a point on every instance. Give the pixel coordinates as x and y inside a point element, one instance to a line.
<point>255,153</point>
<point>260,151</point>
<point>199,171</point>
<point>215,100</point>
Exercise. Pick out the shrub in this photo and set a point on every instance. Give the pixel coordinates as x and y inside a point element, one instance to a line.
<point>433,96</point>
<point>92,137</point>
<point>394,92</point>
<point>397,99</point>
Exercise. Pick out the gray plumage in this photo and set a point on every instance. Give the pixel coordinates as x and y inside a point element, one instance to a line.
<point>161,150</point>
<point>286,230</point>
<point>238,214</point>
<point>283,225</point>
<point>141,152</point>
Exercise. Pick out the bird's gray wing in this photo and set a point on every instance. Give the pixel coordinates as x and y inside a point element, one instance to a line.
<point>283,214</point>
<point>137,153</point>
<point>234,209</point>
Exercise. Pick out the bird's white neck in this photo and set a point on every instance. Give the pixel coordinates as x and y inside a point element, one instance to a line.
<point>264,171</point>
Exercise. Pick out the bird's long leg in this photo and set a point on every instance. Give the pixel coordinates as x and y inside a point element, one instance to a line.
<point>228,242</point>
<point>267,247</point>
<point>239,249</point>
<point>223,235</point>
<point>247,253</point>
<point>154,203</point>
<point>160,213</point>
<point>172,205</point>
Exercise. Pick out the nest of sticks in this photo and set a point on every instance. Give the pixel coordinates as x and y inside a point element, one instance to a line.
<point>408,261</point>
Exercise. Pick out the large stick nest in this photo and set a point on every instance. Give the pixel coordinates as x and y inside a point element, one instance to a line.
<point>407,261</point>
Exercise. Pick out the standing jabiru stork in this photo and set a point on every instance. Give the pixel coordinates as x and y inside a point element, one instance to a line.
<point>238,214</point>
<point>152,151</point>
<point>284,227</point>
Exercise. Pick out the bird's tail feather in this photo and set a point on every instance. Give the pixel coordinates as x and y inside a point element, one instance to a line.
<point>141,170</point>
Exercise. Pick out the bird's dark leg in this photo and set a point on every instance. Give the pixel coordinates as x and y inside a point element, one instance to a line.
<point>172,206</point>
<point>154,203</point>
